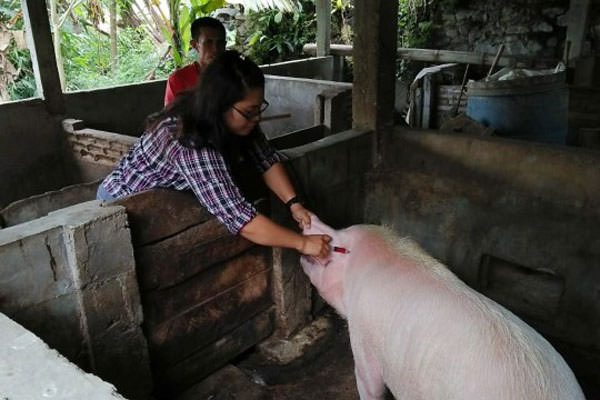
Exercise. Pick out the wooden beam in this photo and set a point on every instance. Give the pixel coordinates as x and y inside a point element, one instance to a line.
<point>375,32</point>
<point>577,27</point>
<point>323,27</point>
<point>39,41</point>
<point>442,56</point>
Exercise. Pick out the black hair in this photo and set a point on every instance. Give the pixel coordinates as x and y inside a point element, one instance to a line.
<point>206,22</point>
<point>201,110</point>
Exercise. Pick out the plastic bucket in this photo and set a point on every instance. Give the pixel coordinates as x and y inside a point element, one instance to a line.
<point>533,108</point>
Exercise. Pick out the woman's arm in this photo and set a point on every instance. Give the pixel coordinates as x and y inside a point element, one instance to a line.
<point>262,230</point>
<point>278,181</point>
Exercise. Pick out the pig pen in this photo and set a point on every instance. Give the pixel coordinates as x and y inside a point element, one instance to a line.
<point>97,282</point>
<point>518,221</point>
<point>514,220</point>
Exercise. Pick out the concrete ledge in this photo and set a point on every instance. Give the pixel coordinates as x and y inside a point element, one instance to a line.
<point>29,369</point>
<point>70,278</point>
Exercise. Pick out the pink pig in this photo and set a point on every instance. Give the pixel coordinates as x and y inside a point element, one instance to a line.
<point>415,327</point>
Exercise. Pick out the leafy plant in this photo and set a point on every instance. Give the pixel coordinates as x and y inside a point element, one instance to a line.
<point>177,30</point>
<point>415,29</point>
<point>16,72</point>
<point>88,65</point>
<point>275,35</point>
<point>341,21</point>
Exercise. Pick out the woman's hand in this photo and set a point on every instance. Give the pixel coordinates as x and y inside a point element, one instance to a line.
<point>315,245</point>
<point>301,215</point>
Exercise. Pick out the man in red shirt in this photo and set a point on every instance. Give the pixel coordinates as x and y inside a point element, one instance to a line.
<point>208,39</point>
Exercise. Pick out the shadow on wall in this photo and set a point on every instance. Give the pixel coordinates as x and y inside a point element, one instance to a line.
<point>516,220</point>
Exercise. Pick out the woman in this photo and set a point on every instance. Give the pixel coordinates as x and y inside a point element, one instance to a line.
<point>195,143</point>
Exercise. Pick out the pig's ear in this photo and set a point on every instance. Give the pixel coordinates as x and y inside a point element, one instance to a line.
<point>317,226</point>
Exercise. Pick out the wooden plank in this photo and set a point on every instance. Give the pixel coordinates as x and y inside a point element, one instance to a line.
<point>179,337</point>
<point>444,56</point>
<point>162,305</point>
<point>172,381</point>
<point>159,213</point>
<point>176,259</point>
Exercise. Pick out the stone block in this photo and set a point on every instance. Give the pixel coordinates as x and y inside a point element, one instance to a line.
<point>101,246</point>
<point>34,267</point>
<point>40,205</point>
<point>58,322</point>
<point>113,315</point>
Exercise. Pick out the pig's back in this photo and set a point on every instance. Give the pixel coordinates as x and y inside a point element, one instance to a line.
<point>438,339</point>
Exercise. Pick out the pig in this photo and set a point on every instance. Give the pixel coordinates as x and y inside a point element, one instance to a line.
<point>422,332</point>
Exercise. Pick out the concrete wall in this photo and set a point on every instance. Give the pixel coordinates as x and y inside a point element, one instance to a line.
<point>30,151</point>
<point>300,97</point>
<point>123,109</point>
<point>321,68</point>
<point>120,109</point>
<point>31,157</point>
<point>70,278</point>
<point>329,175</point>
<point>517,221</point>
<point>55,377</point>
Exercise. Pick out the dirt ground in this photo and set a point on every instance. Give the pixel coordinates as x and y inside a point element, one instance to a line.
<point>326,372</point>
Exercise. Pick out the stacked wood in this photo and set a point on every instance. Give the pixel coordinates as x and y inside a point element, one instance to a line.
<point>205,293</point>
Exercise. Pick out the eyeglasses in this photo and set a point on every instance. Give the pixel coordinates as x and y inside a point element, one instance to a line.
<point>252,114</point>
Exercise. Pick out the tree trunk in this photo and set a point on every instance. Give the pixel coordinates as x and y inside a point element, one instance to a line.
<point>113,36</point>
<point>174,5</point>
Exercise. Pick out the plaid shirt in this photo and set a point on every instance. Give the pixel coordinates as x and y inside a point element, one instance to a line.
<point>159,160</point>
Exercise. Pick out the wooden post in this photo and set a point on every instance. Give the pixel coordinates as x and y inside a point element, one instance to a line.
<point>323,27</point>
<point>39,41</point>
<point>375,30</point>
<point>428,93</point>
<point>577,27</point>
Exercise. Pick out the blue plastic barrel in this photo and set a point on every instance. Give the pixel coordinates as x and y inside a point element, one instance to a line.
<point>533,108</point>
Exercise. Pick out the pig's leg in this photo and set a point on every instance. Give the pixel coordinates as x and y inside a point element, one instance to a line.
<point>369,379</point>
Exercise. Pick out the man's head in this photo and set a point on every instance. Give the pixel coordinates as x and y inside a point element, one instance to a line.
<point>208,38</point>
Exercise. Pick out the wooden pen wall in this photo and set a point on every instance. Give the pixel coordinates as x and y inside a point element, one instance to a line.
<point>205,293</point>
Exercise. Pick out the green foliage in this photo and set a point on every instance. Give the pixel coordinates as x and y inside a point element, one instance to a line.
<point>414,24</point>
<point>341,24</point>
<point>16,71</point>
<point>24,86</point>
<point>87,64</point>
<point>182,17</point>
<point>415,29</point>
<point>272,35</point>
